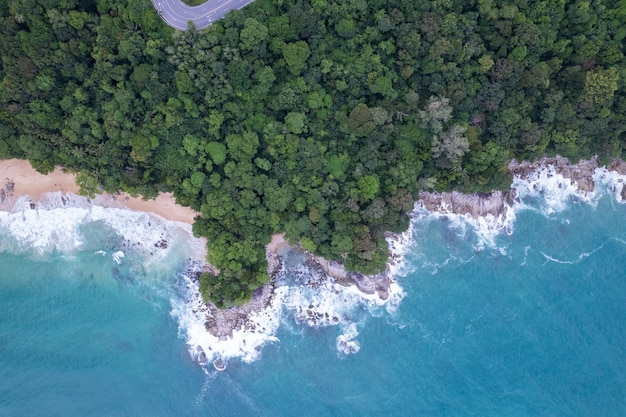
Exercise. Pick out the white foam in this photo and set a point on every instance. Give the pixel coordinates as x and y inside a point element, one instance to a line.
<point>346,342</point>
<point>559,261</point>
<point>117,257</point>
<point>399,245</point>
<point>582,256</point>
<point>544,188</point>
<point>328,304</point>
<point>56,225</point>
<point>611,182</point>
<point>245,344</point>
<point>551,190</point>
<point>485,228</point>
<point>44,231</point>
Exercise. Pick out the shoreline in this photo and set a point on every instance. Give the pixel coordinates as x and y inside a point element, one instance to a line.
<point>237,322</point>
<point>498,202</point>
<point>19,180</point>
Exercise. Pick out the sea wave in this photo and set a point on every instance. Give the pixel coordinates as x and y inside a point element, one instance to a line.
<point>485,228</point>
<point>399,245</point>
<point>69,224</point>
<point>326,303</point>
<point>550,190</point>
<point>63,223</point>
<point>323,304</point>
<point>610,182</point>
<point>542,188</point>
<point>244,343</point>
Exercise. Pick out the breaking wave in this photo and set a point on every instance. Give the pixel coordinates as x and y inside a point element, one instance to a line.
<point>542,189</point>
<point>68,224</point>
<point>322,304</point>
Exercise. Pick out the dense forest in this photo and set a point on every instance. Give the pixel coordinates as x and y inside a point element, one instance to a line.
<point>321,119</point>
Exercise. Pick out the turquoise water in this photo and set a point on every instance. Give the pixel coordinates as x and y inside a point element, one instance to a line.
<point>529,323</point>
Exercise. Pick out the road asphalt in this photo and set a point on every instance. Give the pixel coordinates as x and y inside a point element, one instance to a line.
<point>177,14</point>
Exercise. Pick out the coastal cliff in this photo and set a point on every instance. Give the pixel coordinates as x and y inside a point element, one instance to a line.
<point>497,202</point>
<point>314,271</point>
<point>580,173</point>
<point>311,271</point>
<point>476,205</point>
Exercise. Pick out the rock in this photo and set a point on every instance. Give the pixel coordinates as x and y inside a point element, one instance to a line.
<point>476,205</point>
<point>222,323</point>
<point>624,193</point>
<point>618,166</point>
<point>586,184</point>
<point>219,364</point>
<point>201,358</point>
<point>32,206</point>
<point>581,173</point>
<point>496,202</point>
<point>336,270</point>
<point>274,264</point>
<point>162,244</point>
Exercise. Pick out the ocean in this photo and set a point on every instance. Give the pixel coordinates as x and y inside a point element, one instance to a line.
<point>516,316</point>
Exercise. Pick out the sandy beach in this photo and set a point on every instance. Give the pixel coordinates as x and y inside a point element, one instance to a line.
<point>18,178</point>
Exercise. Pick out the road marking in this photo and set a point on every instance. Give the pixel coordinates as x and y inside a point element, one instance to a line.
<point>171,14</point>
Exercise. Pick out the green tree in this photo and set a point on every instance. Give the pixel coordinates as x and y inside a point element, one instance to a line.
<point>252,34</point>
<point>600,86</point>
<point>295,122</point>
<point>296,55</point>
<point>217,151</point>
<point>368,186</point>
<point>361,121</point>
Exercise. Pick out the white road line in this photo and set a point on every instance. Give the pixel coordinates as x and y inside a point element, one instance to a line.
<point>177,14</point>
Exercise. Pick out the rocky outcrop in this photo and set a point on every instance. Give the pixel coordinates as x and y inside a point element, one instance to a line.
<point>580,173</point>
<point>496,202</point>
<point>222,323</point>
<point>618,166</point>
<point>312,271</point>
<point>368,284</point>
<point>476,205</point>
<point>315,271</point>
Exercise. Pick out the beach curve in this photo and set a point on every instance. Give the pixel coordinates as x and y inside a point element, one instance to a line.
<point>18,179</point>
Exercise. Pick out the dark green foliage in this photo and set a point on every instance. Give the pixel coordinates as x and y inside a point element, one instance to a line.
<point>318,119</point>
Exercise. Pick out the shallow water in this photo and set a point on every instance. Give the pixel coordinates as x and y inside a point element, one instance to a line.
<point>530,322</point>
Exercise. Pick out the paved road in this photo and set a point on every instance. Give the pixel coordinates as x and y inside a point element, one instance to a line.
<point>177,14</point>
